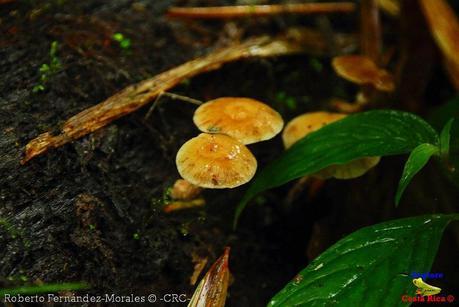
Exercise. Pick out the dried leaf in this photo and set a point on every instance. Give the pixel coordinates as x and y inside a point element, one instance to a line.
<point>199,264</point>
<point>211,291</point>
<point>444,26</point>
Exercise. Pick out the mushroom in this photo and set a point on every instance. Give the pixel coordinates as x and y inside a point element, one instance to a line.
<point>184,190</point>
<point>304,124</point>
<point>363,71</point>
<point>244,119</point>
<point>215,161</point>
<point>184,195</point>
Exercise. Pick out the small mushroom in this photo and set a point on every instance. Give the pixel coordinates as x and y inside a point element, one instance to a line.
<point>215,161</point>
<point>244,119</point>
<point>304,124</point>
<point>363,71</point>
<point>184,190</point>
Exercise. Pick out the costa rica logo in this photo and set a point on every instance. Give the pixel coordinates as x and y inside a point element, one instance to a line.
<point>424,289</point>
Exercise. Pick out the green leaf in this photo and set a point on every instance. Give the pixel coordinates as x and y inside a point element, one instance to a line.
<point>373,133</point>
<point>416,161</point>
<point>445,137</point>
<point>439,118</point>
<point>370,267</point>
<point>46,288</point>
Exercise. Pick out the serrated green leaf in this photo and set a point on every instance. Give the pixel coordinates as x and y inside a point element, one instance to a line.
<point>416,161</point>
<point>373,133</point>
<point>370,267</point>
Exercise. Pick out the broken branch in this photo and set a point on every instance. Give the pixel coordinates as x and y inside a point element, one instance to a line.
<point>226,12</point>
<point>135,96</point>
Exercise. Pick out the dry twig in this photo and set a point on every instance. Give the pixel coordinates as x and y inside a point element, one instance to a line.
<point>135,96</point>
<point>227,12</point>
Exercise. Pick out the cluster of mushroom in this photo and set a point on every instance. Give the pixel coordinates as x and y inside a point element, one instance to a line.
<point>363,71</point>
<point>218,157</point>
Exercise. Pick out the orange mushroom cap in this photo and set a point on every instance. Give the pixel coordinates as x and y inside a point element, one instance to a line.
<point>245,119</point>
<point>362,70</point>
<point>352,169</point>
<point>304,124</point>
<point>215,161</point>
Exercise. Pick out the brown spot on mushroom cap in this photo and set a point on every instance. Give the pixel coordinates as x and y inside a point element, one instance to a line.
<point>215,161</point>
<point>362,70</point>
<point>245,119</point>
<point>304,124</point>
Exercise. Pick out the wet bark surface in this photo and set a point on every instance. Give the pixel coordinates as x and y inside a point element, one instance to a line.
<point>91,210</point>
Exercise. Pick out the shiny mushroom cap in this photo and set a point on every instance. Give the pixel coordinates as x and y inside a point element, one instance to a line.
<point>245,119</point>
<point>362,70</point>
<point>353,169</point>
<point>215,161</point>
<point>304,124</point>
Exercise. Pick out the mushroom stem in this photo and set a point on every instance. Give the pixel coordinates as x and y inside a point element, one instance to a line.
<point>237,11</point>
<point>183,204</point>
<point>182,98</point>
<point>370,30</point>
<point>172,96</point>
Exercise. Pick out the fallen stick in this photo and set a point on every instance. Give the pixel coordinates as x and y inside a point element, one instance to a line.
<point>135,96</point>
<point>237,11</point>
